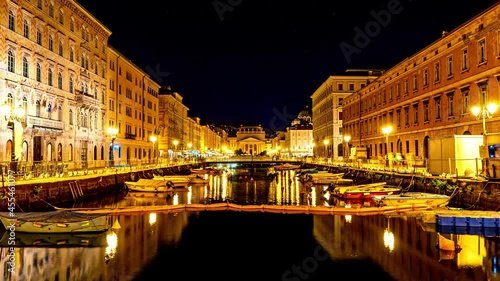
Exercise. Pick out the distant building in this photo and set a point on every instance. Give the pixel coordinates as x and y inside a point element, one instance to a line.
<point>299,136</point>
<point>327,102</point>
<point>251,139</point>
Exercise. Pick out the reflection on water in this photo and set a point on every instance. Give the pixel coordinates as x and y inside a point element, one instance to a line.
<point>263,246</point>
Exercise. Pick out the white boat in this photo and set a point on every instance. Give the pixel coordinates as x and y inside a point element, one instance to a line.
<point>153,185</point>
<point>286,166</point>
<point>341,189</point>
<point>188,179</point>
<point>409,198</point>
<point>61,221</point>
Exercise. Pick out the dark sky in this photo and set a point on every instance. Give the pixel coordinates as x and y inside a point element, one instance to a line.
<point>258,62</point>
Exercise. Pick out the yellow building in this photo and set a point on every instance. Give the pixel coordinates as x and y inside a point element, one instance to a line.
<point>299,140</point>
<point>132,109</point>
<point>251,139</point>
<point>327,103</point>
<point>52,64</point>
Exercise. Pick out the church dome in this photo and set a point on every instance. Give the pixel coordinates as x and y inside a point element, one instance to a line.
<point>306,113</point>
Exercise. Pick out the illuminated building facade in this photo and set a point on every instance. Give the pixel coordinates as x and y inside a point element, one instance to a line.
<point>430,94</point>
<point>251,139</point>
<point>327,104</point>
<point>299,135</point>
<point>53,64</point>
<point>132,109</point>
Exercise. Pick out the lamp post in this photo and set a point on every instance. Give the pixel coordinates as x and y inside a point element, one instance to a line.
<point>325,142</point>
<point>153,139</point>
<point>484,113</point>
<point>112,131</point>
<point>347,138</point>
<point>11,116</point>
<point>387,130</point>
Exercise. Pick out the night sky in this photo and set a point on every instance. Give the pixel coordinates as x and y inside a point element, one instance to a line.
<point>258,62</point>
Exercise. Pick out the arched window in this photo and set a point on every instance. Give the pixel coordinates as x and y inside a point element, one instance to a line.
<point>102,152</point>
<point>25,67</point>
<point>71,86</point>
<point>51,43</point>
<point>70,153</point>
<point>12,21</point>
<point>95,153</point>
<point>25,104</point>
<point>71,121</point>
<point>59,113</point>
<point>61,48</point>
<point>59,152</point>
<point>38,109</point>
<point>26,29</point>
<point>49,77</point>
<point>11,61</point>
<point>71,54</point>
<point>72,25</point>
<point>49,152</point>
<point>10,100</point>
<point>39,36</point>
<point>38,72</point>
<point>59,81</point>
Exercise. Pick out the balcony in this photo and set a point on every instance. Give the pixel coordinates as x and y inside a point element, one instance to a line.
<point>129,136</point>
<point>44,123</point>
<point>83,98</point>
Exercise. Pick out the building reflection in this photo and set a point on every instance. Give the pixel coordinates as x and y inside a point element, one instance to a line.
<point>405,250</point>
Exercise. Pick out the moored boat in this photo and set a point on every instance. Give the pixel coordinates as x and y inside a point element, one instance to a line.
<point>286,166</point>
<point>339,190</point>
<point>405,198</point>
<point>24,239</point>
<point>60,221</point>
<point>369,192</point>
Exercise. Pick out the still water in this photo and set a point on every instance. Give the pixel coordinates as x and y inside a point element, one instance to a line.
<point>230,245</point>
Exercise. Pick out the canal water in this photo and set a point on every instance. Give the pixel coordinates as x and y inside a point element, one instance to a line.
<point>239,245</point>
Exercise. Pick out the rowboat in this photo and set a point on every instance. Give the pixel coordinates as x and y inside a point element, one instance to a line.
<point>339,190</point>
<point>61,221</point>
<point>145,185</point>
<point>405,198</point>
<point>24,239</point>
<point>182,179</point>
<point>286,166</point>
<point>202,171</point>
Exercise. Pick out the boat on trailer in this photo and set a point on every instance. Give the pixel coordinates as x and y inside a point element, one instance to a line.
<point>59,221</point>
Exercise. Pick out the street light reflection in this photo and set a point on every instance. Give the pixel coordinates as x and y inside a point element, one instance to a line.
<point>389,240</point>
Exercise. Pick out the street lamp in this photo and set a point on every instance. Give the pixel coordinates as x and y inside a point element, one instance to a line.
<point>387,131</point>
<point>112,131</point>
<point>485,112</point>
<point>325,142</point>
<point>11,116</point>
<point>153,139</point>
<point>347,139</point>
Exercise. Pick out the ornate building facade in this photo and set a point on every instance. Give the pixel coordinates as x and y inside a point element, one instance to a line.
<point>431,93</point>
<point>327,104</point>
<point>53,66</point>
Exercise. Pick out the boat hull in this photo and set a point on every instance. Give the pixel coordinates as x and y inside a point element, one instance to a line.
<point>39,223</point>
<point>368,193</point>
<point>430,199</point>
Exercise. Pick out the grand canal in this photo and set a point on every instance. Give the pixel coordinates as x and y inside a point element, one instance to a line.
<point>231,245</point>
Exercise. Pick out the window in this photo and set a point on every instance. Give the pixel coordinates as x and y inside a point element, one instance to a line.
<point>465,59</point>
<point>415,82</point>
<point>398,90</point>
<point>407,116</point>
<point>60,81</point>
<point>437,108</point>
<point>415,113</point>
<point>481,48</point>
<point>61,47</point>
<point>38,36</point>
<point>449,66</point>
<point>483,93</point>
<point>38,109</point>
<point>465,100</point>
<point>49,77</point>
<point>71,85</point>
<point>351,86</point>
<point>38,72</point>
<point>51,9</point>
<point>40,4</point>
<point>437,75</point>
<point>51,43</point>
<point>390,94</point>
<point>72,25</point>
<point>61,17</point>
<point>406,86</point>
<point>426,111</point>
<point>12,21</point>
<point>25,67</point>
<point>426,77</point>
<point>451,105</point>
<point>398,118</point>
<point>340,87</point>
<point>11,61</point>
<point>71,117</point>
<point>26,29</point>
<point>71,54</point>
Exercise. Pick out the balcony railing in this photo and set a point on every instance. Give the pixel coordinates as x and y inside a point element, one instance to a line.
<point>45,123</point>
<point>129,136</point>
